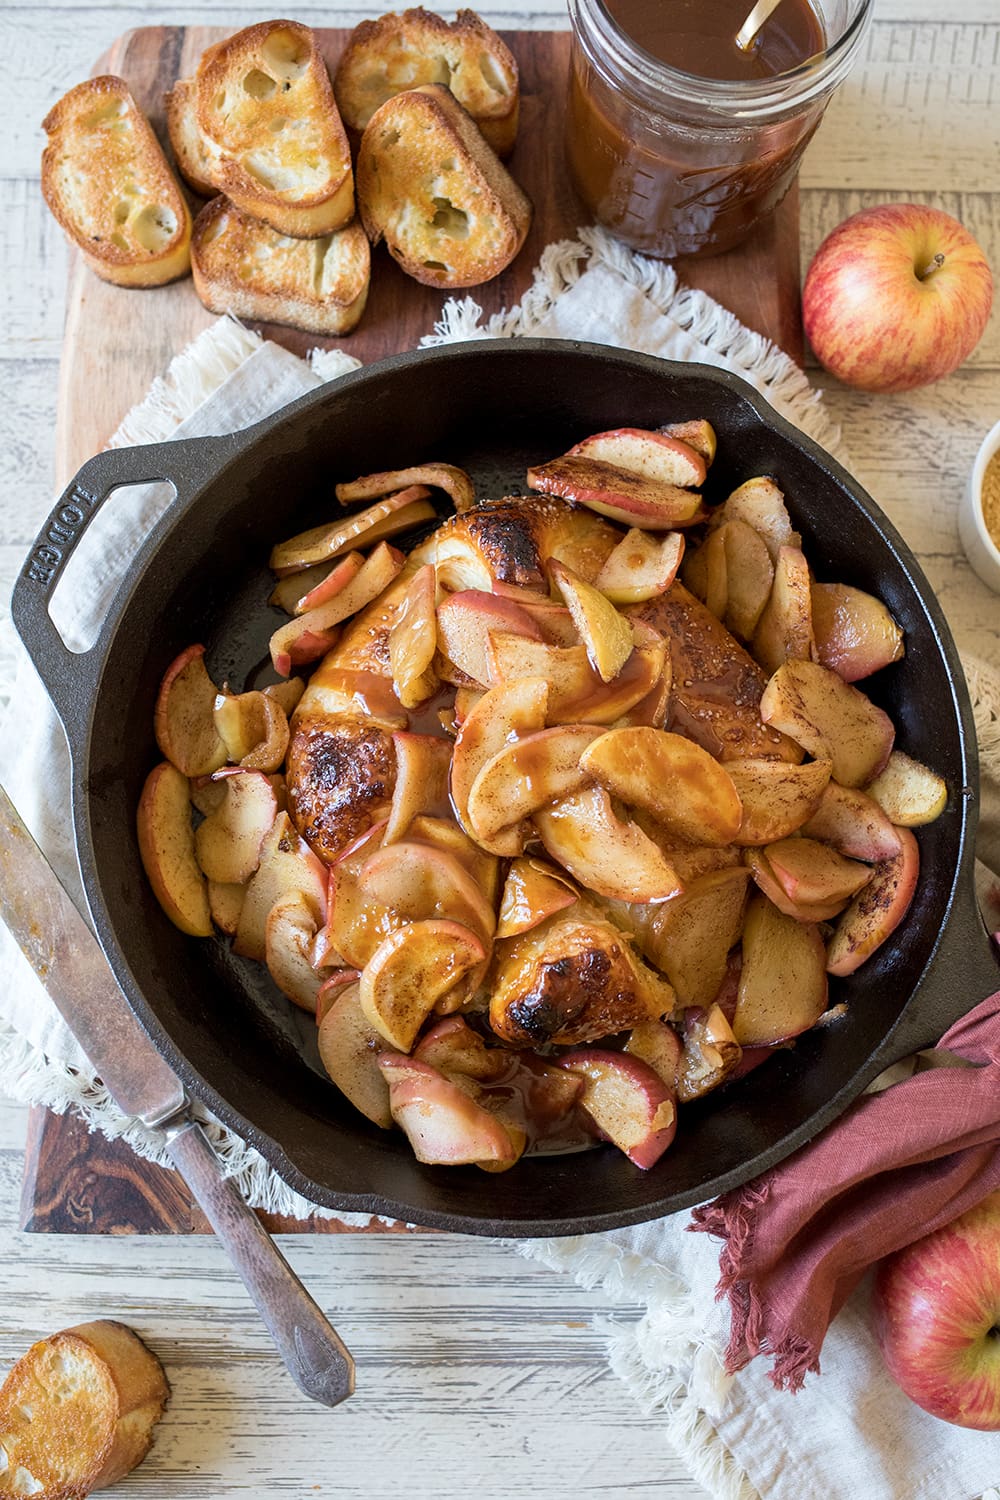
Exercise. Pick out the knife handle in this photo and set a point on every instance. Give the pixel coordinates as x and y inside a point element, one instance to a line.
<point>316,1359</point>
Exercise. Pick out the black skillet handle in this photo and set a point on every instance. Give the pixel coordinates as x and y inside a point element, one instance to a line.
<point>69,676</point>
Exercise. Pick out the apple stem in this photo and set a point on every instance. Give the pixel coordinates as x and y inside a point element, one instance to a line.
<point>935,265</point>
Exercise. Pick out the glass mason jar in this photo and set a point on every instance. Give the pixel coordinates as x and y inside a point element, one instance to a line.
<point>675,164</point>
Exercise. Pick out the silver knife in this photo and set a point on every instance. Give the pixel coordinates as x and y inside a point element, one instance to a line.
<point>68,960</point>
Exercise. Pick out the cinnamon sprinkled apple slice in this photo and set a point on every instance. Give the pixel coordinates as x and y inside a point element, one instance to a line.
<point>411,971</point>
<point>605,633</point>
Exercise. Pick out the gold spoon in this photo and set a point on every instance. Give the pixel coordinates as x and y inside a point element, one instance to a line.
<point>762,12</point>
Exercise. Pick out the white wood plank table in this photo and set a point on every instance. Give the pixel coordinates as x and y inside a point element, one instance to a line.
<point>475,1368</point>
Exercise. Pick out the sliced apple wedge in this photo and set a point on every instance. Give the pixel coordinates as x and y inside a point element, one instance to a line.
<point>183,719</point>
<point>355,924</point>
<point>225,902</point>
<point>423,766</point>
<point>830,719</point>
<point>749,576</point>
<point>605,633</point>
<point>445,834</point>
<point>769,884</point>
<point>627,1101</point>
<point>288,941</point>
<point>287,868</point>
<point>334,582</point>
<point>853,823</point>
<point>652,455</point>
<point>855,633</point>
<point>227,844</point>
<point>687,791</point>
<point>254,729</point>
<point>532,891</point>
<point>777,798</point>
<point>349,1048</point>
<point>640,567</point>
<point>878,910</point>
<point>554,621</point>
<point>698,434</point>
<point>711,1053</point>
<point>411,971</point>
<point>465,622</point>
<point>166,844</point>
<point>760,503</point>
<point>286,694</point>
<point>420,884</point>
<point>812,874</point>
<point>302,639</point>
<point>658,1045</point>
<point>908,792</point>
<point>614,492</point>
<point>413,641</point>
<point>324,543</point>
<point>783,987</point>
<point>448,477</point>
<point>525,776</point>
<point>576,693</point>
<point>333,985</point>
<point>615,859</point>
<point>716,567</point>
<point>690,937</point>
<point>510,709</point>
<point>785,631</point>
<point>444,1125</point>
<point>451,1046</point>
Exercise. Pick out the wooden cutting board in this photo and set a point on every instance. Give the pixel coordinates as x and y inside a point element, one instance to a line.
<point>116,343</point>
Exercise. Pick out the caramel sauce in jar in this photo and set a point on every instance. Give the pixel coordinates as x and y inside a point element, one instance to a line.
<point>678,142</point>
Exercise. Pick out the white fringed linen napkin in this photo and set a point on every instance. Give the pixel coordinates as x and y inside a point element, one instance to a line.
<point>850,1433</point>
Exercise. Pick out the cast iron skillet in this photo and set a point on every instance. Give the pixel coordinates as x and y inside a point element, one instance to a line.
<point>201,576</point>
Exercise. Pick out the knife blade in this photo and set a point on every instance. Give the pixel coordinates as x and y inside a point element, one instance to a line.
<point>71,965</point>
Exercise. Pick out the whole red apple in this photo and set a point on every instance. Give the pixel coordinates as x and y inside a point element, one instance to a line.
<point>937,1318</point>
<point>896,297</point>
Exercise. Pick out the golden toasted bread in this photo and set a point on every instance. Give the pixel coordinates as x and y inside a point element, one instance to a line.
<point>77,1411</point>
<point>107,181</point>
<point>244,267</point>
<point>430,186</point>
<point>263,99</point>
<point>385,57</point>
<point>196,156</point>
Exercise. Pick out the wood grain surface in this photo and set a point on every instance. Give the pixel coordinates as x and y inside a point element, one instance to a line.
<point>117,341</point>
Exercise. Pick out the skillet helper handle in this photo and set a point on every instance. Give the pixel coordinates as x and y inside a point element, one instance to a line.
<point>315,1358</point>
<point>70,677</point>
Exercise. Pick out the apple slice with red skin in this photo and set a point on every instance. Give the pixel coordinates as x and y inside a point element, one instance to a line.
<point>768,882</point>
<point>323,543</point>
<point>225,902</point>
<point>711,1053</point>
<point>452,1046</point>
<point>303,639</point>
<point>525,776</point>
<point>454,481</point>
<point>698,434</point>
<point>777,798</point>
<point>445,834</point>
<point>533,891</point>
<point>783,985</point>
<point>605,633</point>
<point>684,787</point>
<point>554,621</point>
<point>629,498</point>
<point>508,710</point>
<point>576,693</point>
<point>652,455</point>
<point>935,1306</point>
<point>166,844</point>
<point>332,986</point>
<point>413,641</point>
<point>658,1045</point>
<point>908,792</point>
<point>227,844</point>
<point>627,1101</point>
<point>830,719</point>
<point>760,503</point>
<point>853,823</point>
<point>582,833</point>
<point>464,623</point>
<point>349,1048</point>
<point>443,1123</point>
<point>340,575</point>
<point>640,567</point>
<point>811,873</point>
<point>183,719</point>
<point>420,883</point>
<point>411,971</point>
<point>690,937</point>
<point>288,867</point>
<point>785,630</point>
<point>749,577</point>
<point>876,911</point>
<point>423,766</point>
<point>288,943</point>
<point>254,727</point>
<point>855,633</point>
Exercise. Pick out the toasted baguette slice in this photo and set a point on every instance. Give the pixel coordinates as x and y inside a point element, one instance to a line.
<point>106,179</point>
<point>244,267</point>
<point>430,186</point>
<point>264,99</point>
<point>395,53</point>
<point>77,1411</point>
<point>196,156</point>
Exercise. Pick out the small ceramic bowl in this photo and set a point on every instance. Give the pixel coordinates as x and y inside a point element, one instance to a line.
<point>980,548</point>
